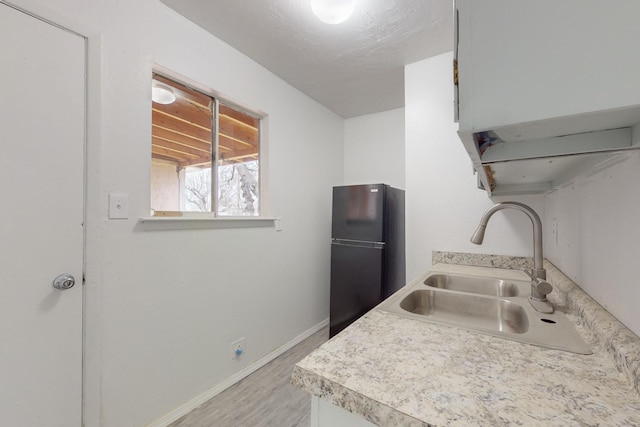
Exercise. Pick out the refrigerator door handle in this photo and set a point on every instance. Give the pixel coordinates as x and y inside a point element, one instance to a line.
<point>357,243</point>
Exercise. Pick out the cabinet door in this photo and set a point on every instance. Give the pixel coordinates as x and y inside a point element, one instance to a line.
<point>325,414</point>
<point>523,61</point>
<point>547,89</point>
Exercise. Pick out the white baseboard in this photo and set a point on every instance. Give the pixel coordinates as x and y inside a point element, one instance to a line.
<point>219,388</point>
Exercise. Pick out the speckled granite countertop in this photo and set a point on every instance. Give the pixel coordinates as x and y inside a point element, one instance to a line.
<point>396,371</point>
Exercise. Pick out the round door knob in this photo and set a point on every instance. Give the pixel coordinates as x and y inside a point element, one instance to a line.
<point>64,281</point>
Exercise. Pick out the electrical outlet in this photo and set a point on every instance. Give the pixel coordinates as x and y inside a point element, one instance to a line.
<point>237,348</point>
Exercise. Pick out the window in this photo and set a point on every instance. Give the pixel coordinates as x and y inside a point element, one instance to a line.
<point>205,153</point>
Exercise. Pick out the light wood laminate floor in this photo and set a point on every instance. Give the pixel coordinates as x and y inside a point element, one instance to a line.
<point>264,398</point>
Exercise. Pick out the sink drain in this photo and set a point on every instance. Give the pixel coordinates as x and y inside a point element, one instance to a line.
<point>548,321</point>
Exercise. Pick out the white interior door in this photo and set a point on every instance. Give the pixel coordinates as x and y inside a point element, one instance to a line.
<point>42,132</point>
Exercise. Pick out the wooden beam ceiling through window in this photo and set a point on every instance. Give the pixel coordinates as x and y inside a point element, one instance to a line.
<point>181,131</point>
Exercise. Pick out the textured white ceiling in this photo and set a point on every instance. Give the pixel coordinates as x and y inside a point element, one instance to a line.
<point>353,68</point>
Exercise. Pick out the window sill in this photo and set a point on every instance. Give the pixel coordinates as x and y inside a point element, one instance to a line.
<point>200,222</point>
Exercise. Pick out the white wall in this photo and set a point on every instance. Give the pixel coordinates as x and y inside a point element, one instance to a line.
<point>598,235</point>
<point>374,149</point>
<point>162,307</point>
<point>444,205</point>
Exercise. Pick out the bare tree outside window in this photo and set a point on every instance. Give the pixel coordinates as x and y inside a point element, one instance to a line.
<point>238,193</point>
<point>197,190</point>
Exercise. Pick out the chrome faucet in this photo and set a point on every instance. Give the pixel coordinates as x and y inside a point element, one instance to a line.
<point>539,285</point>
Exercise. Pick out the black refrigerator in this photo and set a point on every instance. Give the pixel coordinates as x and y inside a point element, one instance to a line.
<point>367,250</point>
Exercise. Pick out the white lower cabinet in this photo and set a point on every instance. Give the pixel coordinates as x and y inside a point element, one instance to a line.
<point>326,414</point>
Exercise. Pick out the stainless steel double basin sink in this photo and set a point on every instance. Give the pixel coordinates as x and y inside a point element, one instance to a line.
<point>485,304</point>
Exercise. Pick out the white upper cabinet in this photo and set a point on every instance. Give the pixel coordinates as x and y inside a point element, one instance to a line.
<point>546,87</point>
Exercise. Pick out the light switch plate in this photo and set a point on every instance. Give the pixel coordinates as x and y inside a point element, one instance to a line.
<point>118,206</point>
<point>278,223</point>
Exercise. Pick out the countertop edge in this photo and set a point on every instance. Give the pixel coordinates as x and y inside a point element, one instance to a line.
<point>352,401</point>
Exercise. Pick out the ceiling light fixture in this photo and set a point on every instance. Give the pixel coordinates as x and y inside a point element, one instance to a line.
<point>333,11</point>
<point>162,94</point>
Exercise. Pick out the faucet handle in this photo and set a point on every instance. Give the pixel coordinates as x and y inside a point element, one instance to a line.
<point>542,287</point>
<point>537,273</point>
<point>529,274</point>
<point>539,287</point>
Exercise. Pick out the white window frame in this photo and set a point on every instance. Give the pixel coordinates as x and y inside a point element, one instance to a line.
<point>188,219</point>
